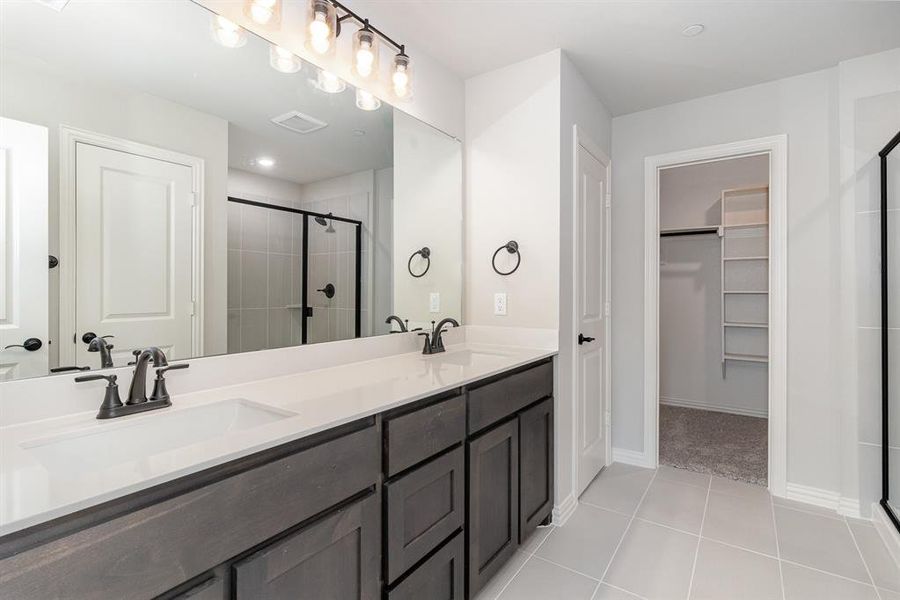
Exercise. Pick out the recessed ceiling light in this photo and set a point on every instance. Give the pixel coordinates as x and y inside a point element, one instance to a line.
<point>693,30</point>
<point>265,162</point>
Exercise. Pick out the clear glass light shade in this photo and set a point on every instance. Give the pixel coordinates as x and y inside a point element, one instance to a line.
<point>227,33</point>
<point>401,77</point>
<point>321,26</point>
<point>283,60</point>
<point>264,12</point>
<point>365,54</point>
<point>366,100</point>
<point>329,82</point>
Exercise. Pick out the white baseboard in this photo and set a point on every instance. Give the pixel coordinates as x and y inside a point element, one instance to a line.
<point>631,457</point>
<point>887,532</point>
<point>564,510</point>
<point>699,404</point>
<point>823,498</point>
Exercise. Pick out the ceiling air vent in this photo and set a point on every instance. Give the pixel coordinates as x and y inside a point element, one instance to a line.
<point>297,122</point>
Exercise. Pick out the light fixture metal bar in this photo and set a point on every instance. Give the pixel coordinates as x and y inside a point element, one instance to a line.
<point>349,14</point>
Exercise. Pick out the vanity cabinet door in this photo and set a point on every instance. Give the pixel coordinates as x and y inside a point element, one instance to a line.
<point>493,502</point>
<point>535,466</point>
<point>441,577</point>
<point>337,557</point>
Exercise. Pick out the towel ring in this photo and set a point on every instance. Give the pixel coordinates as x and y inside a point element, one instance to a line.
<point>425,253</point>
<point>512,247</point>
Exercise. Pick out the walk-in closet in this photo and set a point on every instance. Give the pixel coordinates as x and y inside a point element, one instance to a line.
<point>713,317</point>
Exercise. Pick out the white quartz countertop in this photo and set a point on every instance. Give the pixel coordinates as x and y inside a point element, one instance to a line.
<point>53,467</point>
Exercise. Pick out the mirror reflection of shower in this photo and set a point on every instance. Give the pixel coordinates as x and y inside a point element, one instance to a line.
<point>329,228</point>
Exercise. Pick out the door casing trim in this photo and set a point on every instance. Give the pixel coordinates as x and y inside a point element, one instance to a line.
<point>776,148</point>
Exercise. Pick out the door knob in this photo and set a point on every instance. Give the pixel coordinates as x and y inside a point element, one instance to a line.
<point>328,290</point>
<point>583,338</point>
<point>31,345</point>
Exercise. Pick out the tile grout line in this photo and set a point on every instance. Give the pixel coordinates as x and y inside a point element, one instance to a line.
<point>777,546</point>
<point>699,539</point>
<point>591,577</point>
<point>794,563</point>
<point>524,562</point>
<point>862,558</point>
<point>612,557</point>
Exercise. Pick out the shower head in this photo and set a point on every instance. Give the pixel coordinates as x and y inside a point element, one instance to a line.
<point>329,228</point>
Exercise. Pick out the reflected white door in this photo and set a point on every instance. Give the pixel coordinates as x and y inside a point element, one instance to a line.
<point>590,289</point>
<point>134,228</point>
<point>23,249</point>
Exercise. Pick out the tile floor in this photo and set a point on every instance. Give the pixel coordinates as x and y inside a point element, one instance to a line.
<point>675,534</point>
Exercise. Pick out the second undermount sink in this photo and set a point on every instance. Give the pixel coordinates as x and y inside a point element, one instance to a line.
<point>111,443</point>
<point>466,358</point>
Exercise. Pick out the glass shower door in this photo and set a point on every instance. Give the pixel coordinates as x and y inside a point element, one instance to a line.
<point>332,297</point>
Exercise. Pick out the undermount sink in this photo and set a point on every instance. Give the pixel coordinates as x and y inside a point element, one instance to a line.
<point>466,358</point>
<point>110,443</point>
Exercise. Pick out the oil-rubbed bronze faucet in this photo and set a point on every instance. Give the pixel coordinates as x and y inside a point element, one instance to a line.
<point>434,343</point>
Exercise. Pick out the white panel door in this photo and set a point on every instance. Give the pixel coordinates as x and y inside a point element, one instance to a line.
<point>590,290</point>
<point>134,224</point>
<point>23,249</point>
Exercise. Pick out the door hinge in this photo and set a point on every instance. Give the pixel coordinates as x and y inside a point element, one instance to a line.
<point>193,199</point>
<point>193,307</point>
<point>608,200</point>
<point>606,309</point>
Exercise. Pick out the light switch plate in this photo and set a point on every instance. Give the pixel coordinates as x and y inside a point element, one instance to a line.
<point>500,303</point>
<point>434,302</point>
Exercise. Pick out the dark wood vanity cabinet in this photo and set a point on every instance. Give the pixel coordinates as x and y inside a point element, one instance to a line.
<point>426,501</point>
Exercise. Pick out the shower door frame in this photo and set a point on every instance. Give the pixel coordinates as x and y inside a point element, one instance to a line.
<point>885,433</point>
<point>306,309</point>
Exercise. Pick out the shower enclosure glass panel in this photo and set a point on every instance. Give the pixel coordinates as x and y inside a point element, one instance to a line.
<point>333,280</point>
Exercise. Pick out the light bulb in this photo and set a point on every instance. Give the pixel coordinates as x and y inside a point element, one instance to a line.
<point>268,163</point>
<point>320,33</point>
<point>400,77</point>
<point>366,100</point>
<point>329,82</point>
<point>365,59</point>
<point>262,11</point>
<point>227,33</point>
<point>283,60</point>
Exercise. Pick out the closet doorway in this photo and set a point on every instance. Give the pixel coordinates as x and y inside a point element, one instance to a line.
<point>714,395</point>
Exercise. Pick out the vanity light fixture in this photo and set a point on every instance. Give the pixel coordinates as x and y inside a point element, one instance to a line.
<point>284,61</point>
<point>227,33</point>
<point>365,52</point>
<point>264,12</point>
<point>327,17</point>
<point>366,100</point>
<point>329,82</point>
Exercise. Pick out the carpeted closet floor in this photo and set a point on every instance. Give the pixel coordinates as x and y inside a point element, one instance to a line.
<point>722,444</point>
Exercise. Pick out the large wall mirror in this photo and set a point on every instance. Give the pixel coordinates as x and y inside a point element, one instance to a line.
<point>160,188</point>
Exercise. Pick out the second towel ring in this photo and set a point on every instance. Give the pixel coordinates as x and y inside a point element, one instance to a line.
<point>512,247</point>
<point>425,253</point>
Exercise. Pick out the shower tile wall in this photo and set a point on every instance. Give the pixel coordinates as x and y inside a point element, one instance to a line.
<point>332,260</point>
<point>264,278</point>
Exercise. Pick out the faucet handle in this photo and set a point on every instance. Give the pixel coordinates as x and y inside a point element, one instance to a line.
<point>427,348</point>
<point>160,393</point>
<point>160,371</point>
<point>111,399</point>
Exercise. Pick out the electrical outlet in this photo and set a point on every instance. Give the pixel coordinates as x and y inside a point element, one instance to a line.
<point>500,303</point>
<point>434,302</point>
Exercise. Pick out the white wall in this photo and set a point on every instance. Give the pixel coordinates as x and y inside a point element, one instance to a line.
<point>690,288</point>
<point>802,107</point>
<point>869,115</point>
<point>37,93</point>
<point>513,190</point>
<point>427,212</point>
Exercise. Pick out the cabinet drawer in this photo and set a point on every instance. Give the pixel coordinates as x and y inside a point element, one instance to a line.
<point>424,507</point>
<point>144,553</point>
<point>335,557</point>
<point>496,401</point>
<point>441,577</point>
<point>414,437</point>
